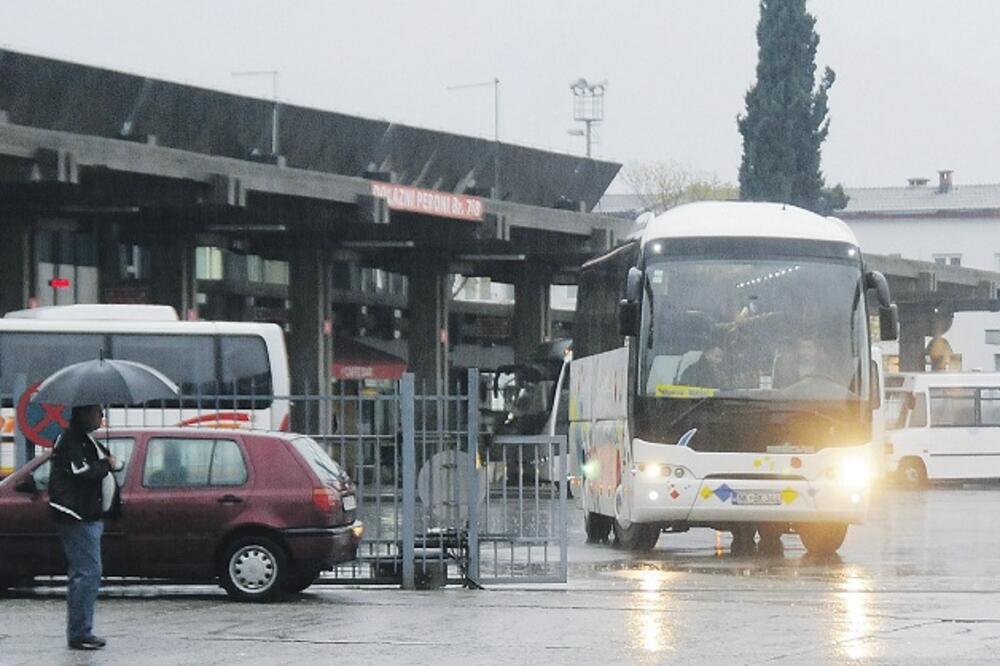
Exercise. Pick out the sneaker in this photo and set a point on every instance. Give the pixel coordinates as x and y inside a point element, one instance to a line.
<point>89,643</point>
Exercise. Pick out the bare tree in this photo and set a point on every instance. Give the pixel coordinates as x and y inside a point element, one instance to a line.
<point>663,185</point>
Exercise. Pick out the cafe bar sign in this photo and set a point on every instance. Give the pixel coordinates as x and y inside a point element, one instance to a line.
<point>430,202</point>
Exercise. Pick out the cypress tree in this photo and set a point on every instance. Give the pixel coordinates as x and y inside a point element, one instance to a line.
<point>786,113</point>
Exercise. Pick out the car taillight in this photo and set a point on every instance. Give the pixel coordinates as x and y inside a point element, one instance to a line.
<point>325,499</point>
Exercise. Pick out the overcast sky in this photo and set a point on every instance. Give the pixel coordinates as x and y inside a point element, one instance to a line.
<point>917,80</point>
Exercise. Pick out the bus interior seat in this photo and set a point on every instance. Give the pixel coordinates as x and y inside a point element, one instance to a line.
<point>667,369</point>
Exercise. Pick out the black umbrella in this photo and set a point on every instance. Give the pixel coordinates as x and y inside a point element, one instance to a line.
<point>105,382</point>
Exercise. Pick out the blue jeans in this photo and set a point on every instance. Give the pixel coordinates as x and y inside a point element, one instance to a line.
<point>81,542</point>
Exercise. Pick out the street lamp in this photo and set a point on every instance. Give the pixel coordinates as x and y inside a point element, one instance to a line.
<point>588,107</point>
<point>495,82</point>
<point>273,73</point>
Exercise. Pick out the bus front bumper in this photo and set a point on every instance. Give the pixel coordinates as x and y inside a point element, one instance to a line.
<point>720,500</point>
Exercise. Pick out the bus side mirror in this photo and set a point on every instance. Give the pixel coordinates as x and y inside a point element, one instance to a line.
<point>633,285</point>
<point>628,318</point>
<point>888,322</point>
<point>875,280</point>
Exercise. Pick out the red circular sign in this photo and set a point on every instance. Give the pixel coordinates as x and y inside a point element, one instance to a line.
<point>41,422</point>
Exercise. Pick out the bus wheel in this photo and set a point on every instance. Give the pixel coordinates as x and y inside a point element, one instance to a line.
<point>743,544</point>
<point>770,540</point>
<point>637,536</point>
<point>597,527</point>
<point>912,472</point>
<point>822,538</point>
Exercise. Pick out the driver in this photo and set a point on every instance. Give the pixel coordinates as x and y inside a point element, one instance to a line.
<point>799,363</point>
<point>707,371</point>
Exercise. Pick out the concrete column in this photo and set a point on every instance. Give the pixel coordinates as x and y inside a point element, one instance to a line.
<point>310,338</point>
<point>429,293</point>
<point>173,279</point>
<point>17,266</point>
<point>532,315</point>
<point>109,259</point>
<point>912,330</point>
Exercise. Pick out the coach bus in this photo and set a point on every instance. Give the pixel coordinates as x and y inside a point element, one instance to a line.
<point>228,372</point>
<point>723,376</point>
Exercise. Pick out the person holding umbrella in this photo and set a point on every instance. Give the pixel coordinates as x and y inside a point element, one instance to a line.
<point>82,488</point>
<point>79,496</point>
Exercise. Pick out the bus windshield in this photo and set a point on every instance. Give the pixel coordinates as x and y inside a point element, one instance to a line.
<point>754,326</point>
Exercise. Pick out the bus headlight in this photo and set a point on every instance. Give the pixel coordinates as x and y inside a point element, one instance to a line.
<point>855,472</point>
<point>652,470</point>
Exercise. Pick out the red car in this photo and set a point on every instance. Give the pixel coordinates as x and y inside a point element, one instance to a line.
<point>262,513</point>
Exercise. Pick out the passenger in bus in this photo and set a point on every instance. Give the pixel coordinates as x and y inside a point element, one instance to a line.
<point>801,362</point>
<point>707,371</point>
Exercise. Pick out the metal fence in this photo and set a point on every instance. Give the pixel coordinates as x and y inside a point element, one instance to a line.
<point>442,502</point>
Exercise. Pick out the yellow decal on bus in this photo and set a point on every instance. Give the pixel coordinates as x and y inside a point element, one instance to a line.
<point>675,391</point>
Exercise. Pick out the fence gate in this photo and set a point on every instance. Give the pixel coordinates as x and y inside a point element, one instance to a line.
<point>442,502</point>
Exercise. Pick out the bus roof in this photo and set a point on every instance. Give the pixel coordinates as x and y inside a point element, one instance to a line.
<point>97,312</point>
<point>746,219</point>
<point>917,380</point>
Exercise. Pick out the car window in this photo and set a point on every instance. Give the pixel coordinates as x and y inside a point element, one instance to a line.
<point>193,462</point>
<point>121,448</point>
<point>228,467</point>
<point>320,462</point>
<point>41,476</point>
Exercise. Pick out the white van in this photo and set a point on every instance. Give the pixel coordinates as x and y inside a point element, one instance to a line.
<point>943,426</point>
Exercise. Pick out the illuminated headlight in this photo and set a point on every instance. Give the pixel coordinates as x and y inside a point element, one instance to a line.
<point>854,472</point>
<point>653,470</point>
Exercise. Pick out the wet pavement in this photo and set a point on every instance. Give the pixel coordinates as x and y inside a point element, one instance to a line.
<point>919,583</point>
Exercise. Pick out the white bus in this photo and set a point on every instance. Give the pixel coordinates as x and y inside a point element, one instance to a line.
<point>943,426</point>
<point>227,371</point>
<point>723,377</point>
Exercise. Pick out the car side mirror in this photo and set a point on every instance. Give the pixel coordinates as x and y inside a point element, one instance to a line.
<point>628,318</point>
<point>27,485</point>
<point>888,322</point>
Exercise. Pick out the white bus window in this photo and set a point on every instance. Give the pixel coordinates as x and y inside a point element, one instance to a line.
<point>38,355</point>
<point>989,407</point>
<point>245,367</point>
<point>189,360</point>
<point>953,407</point>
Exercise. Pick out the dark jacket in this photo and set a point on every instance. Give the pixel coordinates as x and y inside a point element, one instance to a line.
<point>77,471</point>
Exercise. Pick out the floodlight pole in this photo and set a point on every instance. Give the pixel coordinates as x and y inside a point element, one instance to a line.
<point>273,73</point>
<point>495,82</point>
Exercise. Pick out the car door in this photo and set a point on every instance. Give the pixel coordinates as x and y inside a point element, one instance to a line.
<point>191,489</point>
<point>114,552</point>
<point>29,544</point>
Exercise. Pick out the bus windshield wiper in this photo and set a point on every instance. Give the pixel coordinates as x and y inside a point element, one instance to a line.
<point>701,401</point>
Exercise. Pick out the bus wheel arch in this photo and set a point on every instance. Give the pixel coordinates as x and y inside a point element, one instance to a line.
<point>912,472</point>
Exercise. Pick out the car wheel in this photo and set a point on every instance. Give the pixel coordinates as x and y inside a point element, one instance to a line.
<point>254,569</point>
<point>822,538</point>
<point>636,537</point>
<point>912,472</point>
<point>301,579</point>
<point>597,527</point>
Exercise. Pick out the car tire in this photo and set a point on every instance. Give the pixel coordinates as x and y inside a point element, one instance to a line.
<point>255,569</point>
<point>597,527</point>
<point>637,537</point>
<point>301,579</point>
<point>822,538</point>
<point>912,473</point>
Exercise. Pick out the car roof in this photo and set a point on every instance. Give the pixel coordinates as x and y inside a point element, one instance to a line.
<point>180,432</point>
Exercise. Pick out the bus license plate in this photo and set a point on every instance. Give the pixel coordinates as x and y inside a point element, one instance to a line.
<point>756,497</point>
<point>350,503</point>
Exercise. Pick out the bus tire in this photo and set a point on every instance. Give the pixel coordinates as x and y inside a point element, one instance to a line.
<point>637,537</point>
<point>743,544</point>
<point>822,538</point>
<point>770,544</point>
<point>912,473</point>
<point>597,527</point>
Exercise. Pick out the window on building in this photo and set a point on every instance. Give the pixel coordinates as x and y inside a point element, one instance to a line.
<point>992,337</point>
<point>948,259</point>
<point>255,268</point>
<point>275,272</point>
<point>208,263</point>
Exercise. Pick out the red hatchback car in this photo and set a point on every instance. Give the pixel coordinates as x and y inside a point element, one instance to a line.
<point>262,513</point>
